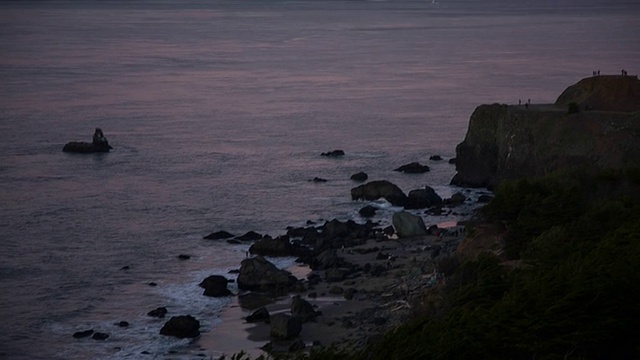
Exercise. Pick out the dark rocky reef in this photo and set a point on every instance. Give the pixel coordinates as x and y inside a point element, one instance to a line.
<point>98,145</point>
<point>508,142</point>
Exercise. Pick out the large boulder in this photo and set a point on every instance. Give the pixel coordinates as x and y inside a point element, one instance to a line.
<point>302,308</point>
<point>215,286</point>
<point>284,326</point>
<point>260,275</point>
<point>181,327</point>
<point>99,144</point>
<point>379,189</point>
<point>408,225</point>
<point>422,198</point>
<point>260,315</point>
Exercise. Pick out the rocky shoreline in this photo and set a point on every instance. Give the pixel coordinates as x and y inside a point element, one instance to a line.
<point>378,288</point>
<point>350,284</point>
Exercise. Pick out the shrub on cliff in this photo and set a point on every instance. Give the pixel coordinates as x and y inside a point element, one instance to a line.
<point>573,108</point>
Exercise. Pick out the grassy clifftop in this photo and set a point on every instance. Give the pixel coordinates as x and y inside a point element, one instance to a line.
<point>604,93</point>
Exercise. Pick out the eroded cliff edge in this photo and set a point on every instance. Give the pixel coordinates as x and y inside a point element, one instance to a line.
<point>508,142</point>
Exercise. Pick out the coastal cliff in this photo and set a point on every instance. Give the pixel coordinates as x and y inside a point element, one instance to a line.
<point>508,142</point>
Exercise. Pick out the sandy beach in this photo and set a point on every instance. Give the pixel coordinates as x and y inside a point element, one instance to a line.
<point>353,311</point>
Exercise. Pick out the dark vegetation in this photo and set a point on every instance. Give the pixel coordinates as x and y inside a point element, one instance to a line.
<point>574,295</point>
<point>573,108</point>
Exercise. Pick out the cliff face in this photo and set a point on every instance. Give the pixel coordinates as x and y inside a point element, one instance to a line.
<point>509,142</point>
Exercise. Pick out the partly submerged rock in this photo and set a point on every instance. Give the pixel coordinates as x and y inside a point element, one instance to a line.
<point>413,168</point>
<point>218,235</point>
<point>379,189</point>
<point>333,153</point>
<point>99,144</point>
<point>422,198</point>
<point>215,286</point>
<point>185,326</point>
<point>361,176</point>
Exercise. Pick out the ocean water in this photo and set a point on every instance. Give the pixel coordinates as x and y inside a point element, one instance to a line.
<point>217,112</point>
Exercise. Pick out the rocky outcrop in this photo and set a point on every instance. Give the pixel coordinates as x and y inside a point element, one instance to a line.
<point>284,326</point>
<point>303,309</point>
<point>508,142</point>
<point>422,198</point>
<point>280,246</point>
<point>181,327</point>
<point>215,286</point>
<point>408,225</point>
<point>379,189</point>
<point>158,312</point>
<point>99,144</point>
<point>259,274</point>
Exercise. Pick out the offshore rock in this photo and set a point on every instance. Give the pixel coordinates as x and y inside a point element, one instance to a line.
<point>413,168</point>
<point>333,153</point>
<point>215,286</point>
<point>99,144</point>
<point>422,198</point>
<point>379,189</point>
<point>218,235</point>
<point>361,176</point>
<point>510,142</point>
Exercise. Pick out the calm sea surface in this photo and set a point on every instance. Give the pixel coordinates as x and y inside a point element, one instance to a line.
<point>217,112</point>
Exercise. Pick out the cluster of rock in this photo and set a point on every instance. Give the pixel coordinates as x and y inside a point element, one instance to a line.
<point>260,282</point>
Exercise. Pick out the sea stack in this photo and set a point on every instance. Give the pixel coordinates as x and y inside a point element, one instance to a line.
<point>99,144</point>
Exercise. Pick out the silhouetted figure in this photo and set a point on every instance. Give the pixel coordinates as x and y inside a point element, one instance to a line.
<point>598,72</point>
